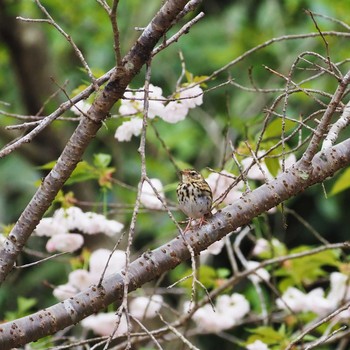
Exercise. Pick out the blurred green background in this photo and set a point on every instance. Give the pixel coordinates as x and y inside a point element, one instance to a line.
<point>35,60</point>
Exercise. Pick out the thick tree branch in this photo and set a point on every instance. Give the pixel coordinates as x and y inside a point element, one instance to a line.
<point>85,132</point>
<point>152,264</point>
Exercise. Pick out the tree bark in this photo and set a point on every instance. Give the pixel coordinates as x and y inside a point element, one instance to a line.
<point>154,263</point>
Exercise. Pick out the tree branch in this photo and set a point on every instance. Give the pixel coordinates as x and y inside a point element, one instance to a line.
<point>85,132</point>
<point>154,263</point>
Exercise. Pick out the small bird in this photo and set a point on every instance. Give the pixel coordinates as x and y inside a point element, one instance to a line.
<point>194,196</point>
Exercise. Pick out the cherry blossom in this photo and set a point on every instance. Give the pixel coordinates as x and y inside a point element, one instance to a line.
<point>229,309</point>
<point>81,107</point>
<point>66,225</point>
<point>220,182</point>
<point>133,102</point>
<point>141,307</point>
<point>80,279</point>
<point>174,112</point>
<point>64,242</point>
<point>255,172</point>
<point>257,345</point>
<point>191,96</point>
<point>128,129</point>
<point>104,324</point>
<point>149,198</point>
<point>259,275</point>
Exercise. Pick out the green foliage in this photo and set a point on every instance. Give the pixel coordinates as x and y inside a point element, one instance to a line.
<point>307,269</point>
<point>85,171</point>
<point>342,183</point>
<point>24,308</point>
<point>274,339</point>
<point>207,275</point>
<point>229,114</point>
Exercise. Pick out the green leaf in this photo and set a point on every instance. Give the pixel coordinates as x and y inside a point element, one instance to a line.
<point>24,306</point>
<point>48,166</point>
<point>306,269</point>
<point>273,165</point>
<point>223,272</point>
<point>102,160</point>
<point>268,335</point>
<point>342,183</point>
<point>274,129</point>
<point>83,172</point>
<point>206,274</point>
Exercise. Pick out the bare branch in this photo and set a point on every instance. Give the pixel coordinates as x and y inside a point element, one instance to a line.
<point>166,257</point>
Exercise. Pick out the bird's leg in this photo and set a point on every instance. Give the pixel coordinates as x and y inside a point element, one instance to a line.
<point>203,219</point>
<point>188,225</point>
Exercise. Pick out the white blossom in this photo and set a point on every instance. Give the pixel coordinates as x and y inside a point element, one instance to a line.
<point>215,248</point>
<point>228,311</point>
<point>80,108</point>
<point>340,289</point>
<point>80,279</point>
<point>2,240</point>
<point>64,291</point>
<point>219,183</point>
<point>128,129</point>
<point>104,324</point>
<point>257,345</point>
<point>65,242</point>
<point>97,223</point>
<point>64,222</point>
<point>259,275</point>
<point>298,301</point>
<point>134,102</point>
<point>317,302</point>
<point>236,305</point>
<point>141,307</point>
<point>49,227</point>
<point>255,173</point>
<point>262,246</point>
<point>174,112</point>
<point>98,260</point>
<point>192,96</point>
<point>293,299</point>
<point>149,198</point>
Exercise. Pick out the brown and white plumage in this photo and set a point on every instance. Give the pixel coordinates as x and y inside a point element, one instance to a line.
<point>194,195</point>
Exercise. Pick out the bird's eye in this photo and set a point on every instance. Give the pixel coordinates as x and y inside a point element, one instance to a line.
<point>193,173</point>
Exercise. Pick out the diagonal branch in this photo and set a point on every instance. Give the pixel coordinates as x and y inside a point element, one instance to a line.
<point>85,132</point>
<point>154,263</point>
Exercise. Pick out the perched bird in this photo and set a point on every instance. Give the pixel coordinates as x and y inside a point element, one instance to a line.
<point>194,196</point>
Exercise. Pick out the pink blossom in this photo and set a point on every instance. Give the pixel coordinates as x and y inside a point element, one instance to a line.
<point>80,279</point>
<point>50,227</point>
<point>65,242</point>
<point>98,260</point>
